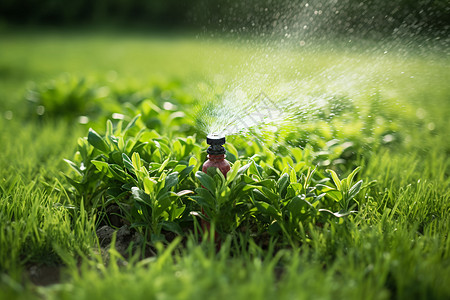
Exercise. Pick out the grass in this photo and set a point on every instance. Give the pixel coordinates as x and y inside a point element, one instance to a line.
<point>395,246</point>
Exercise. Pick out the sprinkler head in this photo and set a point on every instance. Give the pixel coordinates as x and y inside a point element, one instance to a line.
<point>215,141</point>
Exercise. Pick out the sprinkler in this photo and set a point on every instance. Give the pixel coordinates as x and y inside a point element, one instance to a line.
<point>216,154</point>
<point>216,159</point>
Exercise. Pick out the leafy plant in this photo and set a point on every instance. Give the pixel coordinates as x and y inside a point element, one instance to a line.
<point>344,190</point>
<point>283,205</point>
<point>67,96</point>
<point>154,204</point>
<point>224,200</point>
<point>103,173</point>
<point>151,179</point>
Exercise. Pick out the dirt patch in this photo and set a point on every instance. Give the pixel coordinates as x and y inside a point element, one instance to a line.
<point>44,275</point>
<point>126,239</point>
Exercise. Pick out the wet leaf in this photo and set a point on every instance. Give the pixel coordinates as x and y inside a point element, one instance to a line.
<point>97,141</point>
<point>171,180</point>
<point>336,180</point>
<point>128,163</point>
<point>172,227</point>
<point>282,184</point>
<point>206,181</point>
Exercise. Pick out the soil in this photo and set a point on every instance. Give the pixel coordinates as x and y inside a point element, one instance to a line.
<point>43,275</point>
<point>125,238</point>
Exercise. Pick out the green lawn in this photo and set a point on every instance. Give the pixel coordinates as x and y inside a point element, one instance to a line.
<point>394,125</point>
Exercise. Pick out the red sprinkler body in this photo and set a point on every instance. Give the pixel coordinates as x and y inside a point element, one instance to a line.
<point>216,154</point>
<point>216,159</point>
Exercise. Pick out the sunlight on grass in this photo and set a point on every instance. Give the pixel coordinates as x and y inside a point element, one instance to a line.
<point>295,231</point>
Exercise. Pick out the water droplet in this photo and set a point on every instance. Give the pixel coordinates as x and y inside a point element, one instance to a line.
<point>83,119</point>
<point>115,116</point>
<point>9,115</point>
<point>40,110</point>
<point>421,113</point>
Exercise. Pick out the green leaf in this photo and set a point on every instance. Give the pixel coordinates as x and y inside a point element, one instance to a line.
<point>218,177</point>
<point>114,141</point>
<point>136,161</point>
<point>97,141</point>
<point>351,176</point>
<point>128,163</point>
<point>120,143</point>
<point>206,181</point>
<point>116,157</point>
<point>336,180</point>
<point>236,190</point>
<point>131,124</point>
<point>309,177</point>
<point>297,153</point>
<point>249,180</point>
<point>74,183</point>
<point>274,229</point>
<point>299,207</point>
<point>109,128</point>
<point>192,161</point>
<point>118,130</point>
<point>254,169</point>
<point>204,198</point>
<point>118,173</point>
<point>164,164</point>
<point>200,215</point>
<point>293,176</point>
<point>339,214</point>
<point>185,172</point>
<point>271,195</point>
<point>247,187</point>
<point>268,183</point>
<point>141,196</point>
<point>354,190</point>
<point>163,203</point>
<point>74,166</point>
<point>103,167</point>
<point>282,184</point>
<point>335,195</point>
<point>184,192</point>
<point>177,148</point>
<point>230,148</point>
<point>176,212</point>
<point>149,185</point>
<point>164,148</point>
<point>259,169</point>
<point>171,180</point>
<point>257,195</point>
<point>233,171</point>
<point>267,209</point>
<point>172,227</point>
<point>243,169</point>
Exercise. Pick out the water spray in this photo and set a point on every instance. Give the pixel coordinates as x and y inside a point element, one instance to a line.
<point>216,154</point>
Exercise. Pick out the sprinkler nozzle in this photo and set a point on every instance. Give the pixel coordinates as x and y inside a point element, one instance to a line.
<point>215,141</point>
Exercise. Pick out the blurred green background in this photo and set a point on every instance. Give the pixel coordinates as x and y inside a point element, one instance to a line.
<point>380,15</point>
